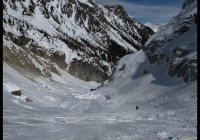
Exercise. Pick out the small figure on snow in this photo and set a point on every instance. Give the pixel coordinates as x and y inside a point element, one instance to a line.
<point>136,107</point>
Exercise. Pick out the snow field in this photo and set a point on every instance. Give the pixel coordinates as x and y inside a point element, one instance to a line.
<point>64,107</point>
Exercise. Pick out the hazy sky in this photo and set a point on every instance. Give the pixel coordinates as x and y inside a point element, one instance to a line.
<point>154,11</point>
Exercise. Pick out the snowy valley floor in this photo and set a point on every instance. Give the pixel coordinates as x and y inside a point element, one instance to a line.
<point>64,108</point>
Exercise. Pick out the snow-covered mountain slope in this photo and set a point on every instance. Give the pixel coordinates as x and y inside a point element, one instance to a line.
<point>155,27</point>
<point>82,37</point>
<point>175,46</point>
<point>63,108</point>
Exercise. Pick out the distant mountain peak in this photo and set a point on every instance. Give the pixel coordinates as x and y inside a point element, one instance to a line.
<point>155,27</point>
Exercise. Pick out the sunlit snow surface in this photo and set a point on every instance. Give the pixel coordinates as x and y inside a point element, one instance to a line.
<point>64,108</point>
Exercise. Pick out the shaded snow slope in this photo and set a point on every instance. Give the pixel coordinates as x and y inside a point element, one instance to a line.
<point>65,108</point>
<point>175,46</point>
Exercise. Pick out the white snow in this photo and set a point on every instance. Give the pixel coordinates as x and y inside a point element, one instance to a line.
<point>88,96</point>
<point>86,2</point>
<point>155,27</point>
<point>10,87</point>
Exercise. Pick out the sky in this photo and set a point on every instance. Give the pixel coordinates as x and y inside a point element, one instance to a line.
<point>153,11</point>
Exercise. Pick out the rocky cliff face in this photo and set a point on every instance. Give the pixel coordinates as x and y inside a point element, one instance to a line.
<point>176,45</point>
<point>79,36</point>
